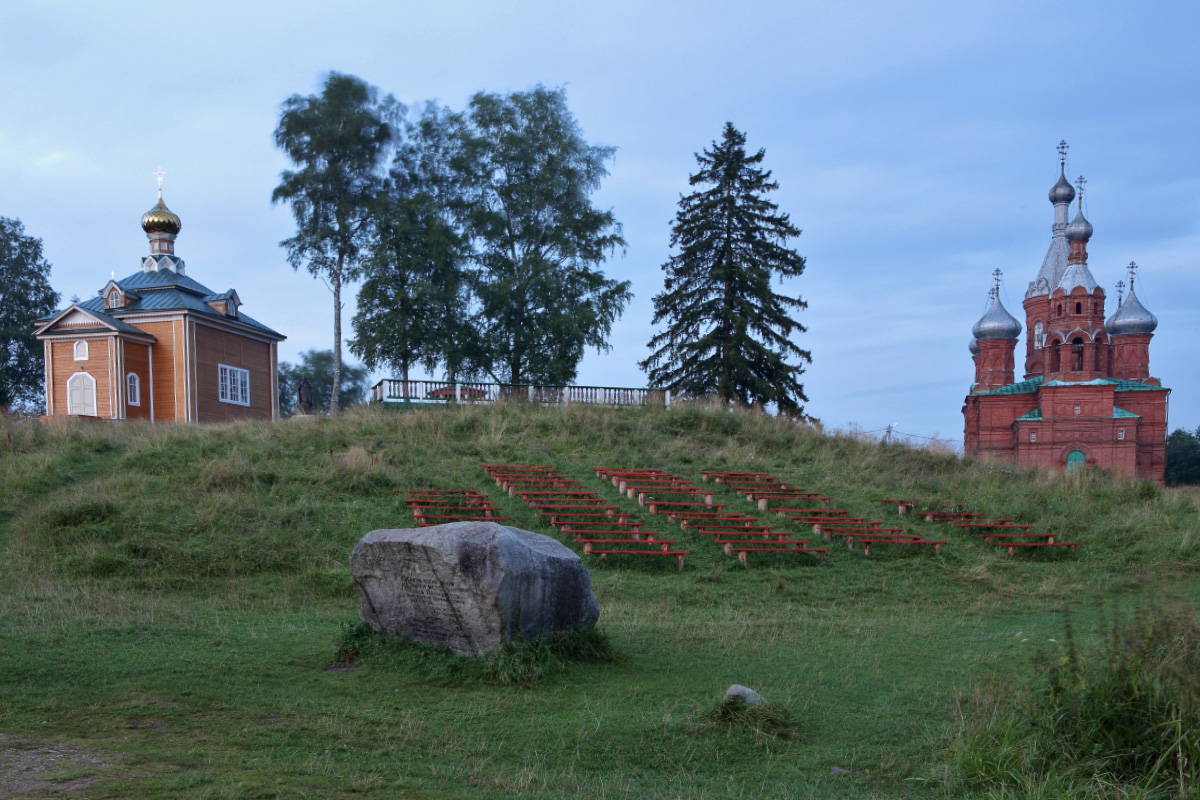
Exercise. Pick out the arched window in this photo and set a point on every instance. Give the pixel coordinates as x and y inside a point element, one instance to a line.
<point>81,351</point>
<point>1060,309</point>
<point>1076,460</point>
<point>1079,308</point>
<point>1077,353</point>
<point>81,395</point>
<point>133,389</point>
<point>1039,338</point>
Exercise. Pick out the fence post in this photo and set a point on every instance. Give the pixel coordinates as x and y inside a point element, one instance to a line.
<point>667,399</point>
<point>566,395</point>
<point>458,393</point>
<point>531,394</point>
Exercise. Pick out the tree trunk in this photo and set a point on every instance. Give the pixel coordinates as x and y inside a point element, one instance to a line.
<point>336,280</point>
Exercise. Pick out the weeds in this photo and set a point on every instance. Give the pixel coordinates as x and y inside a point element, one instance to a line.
<point>1121,719</point>
<point>773,720</point>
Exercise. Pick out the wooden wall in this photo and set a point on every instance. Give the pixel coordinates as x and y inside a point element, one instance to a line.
<point>215,347</point>
<point>167,353</point>
<point>64,365</point>
<point>137,361</point>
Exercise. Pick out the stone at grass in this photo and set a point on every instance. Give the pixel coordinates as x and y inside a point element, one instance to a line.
<point>467,586</point>
<point>740,695</point>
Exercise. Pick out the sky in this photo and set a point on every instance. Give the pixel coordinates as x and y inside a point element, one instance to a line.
<point>913,143</point>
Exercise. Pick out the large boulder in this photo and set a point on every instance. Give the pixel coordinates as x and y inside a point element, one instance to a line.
<point>467,586</point>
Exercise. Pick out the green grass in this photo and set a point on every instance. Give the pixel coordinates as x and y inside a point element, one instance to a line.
<point>176,610</point>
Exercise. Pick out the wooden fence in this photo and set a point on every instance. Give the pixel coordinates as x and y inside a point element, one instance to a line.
<point>391,390</point>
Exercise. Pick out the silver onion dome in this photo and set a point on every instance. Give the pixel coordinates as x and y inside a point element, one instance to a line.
<point>1131,317</point>
<point>996,323</point>
<point>974,347</point>
<point>1080,230</point>
<point>1063,191</point>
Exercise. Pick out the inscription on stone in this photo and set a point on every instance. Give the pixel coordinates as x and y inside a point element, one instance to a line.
<point>467,586</point>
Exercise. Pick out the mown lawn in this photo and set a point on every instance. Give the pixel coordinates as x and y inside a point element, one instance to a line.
<point>171,600</point>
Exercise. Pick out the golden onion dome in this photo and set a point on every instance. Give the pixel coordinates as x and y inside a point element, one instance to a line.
<point>161,219</point>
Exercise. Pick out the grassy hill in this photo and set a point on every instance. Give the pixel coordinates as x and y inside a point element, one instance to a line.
<point>171,600</point>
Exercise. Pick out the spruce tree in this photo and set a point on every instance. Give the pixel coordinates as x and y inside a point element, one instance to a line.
<point>727,333</point>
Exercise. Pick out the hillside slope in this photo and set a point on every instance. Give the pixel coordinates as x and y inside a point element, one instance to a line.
<point>172,596</point>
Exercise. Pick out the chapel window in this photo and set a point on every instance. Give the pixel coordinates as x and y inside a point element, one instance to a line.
<point>81,351</point>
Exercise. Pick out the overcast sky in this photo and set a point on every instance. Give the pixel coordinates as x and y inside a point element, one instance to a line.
<point>914,144</point>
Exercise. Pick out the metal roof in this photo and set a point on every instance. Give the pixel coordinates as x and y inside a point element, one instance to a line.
<point>1024,387</point>
<point>168,291</point>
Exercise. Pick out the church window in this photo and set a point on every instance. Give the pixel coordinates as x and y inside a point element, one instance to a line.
<point>1077,351</point>
<point>1079,308</point>
<point>1060,309</point>
<point>1077,409</point>
<point>1039,338</point>
<point>234,385</point>
<point>1120,434</point>
<point>1032,436</point>
<point>1076,460</point>
<point>81,351</point>
<point>133,389</point>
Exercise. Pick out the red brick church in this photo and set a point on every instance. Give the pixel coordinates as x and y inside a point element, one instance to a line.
<point>1087,398</point>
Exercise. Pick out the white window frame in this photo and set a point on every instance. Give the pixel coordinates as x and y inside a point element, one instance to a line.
<point>1032,437</point>
<point>1120,434</point>
<point>81,351</point>
<point>233,385</point>
<point>133,389</point>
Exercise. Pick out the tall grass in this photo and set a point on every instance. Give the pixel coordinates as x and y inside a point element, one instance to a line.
<point>1117,719</point>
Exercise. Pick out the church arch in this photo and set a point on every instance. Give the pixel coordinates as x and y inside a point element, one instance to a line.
<point>1077,353</point>
<point>1076,460</point>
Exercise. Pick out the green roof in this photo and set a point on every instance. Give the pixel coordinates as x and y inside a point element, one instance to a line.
<point>1120,413</point>
<point>1035,414</point>
<point>167,291</point>
<point>1024,387</point>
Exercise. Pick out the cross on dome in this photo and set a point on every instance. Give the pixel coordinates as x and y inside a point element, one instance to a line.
<point>1062,151</point>
<point>1133,268</point>
<point>996,277</point>
<point>159,174</point>
<point>1080,182</point>
<point>1120,293</point>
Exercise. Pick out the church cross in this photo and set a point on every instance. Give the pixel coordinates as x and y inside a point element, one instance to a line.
<point>1080,182</point>
<point>1120,293</point>
<point>1133,268</point>
<point>1062,151</point>
<point>996,277</point>
<point>159,174</point>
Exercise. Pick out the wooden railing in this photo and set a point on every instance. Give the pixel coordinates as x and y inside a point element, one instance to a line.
<point>392,390</point>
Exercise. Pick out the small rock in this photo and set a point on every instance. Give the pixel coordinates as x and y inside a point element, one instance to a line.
<point>740,695</point>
